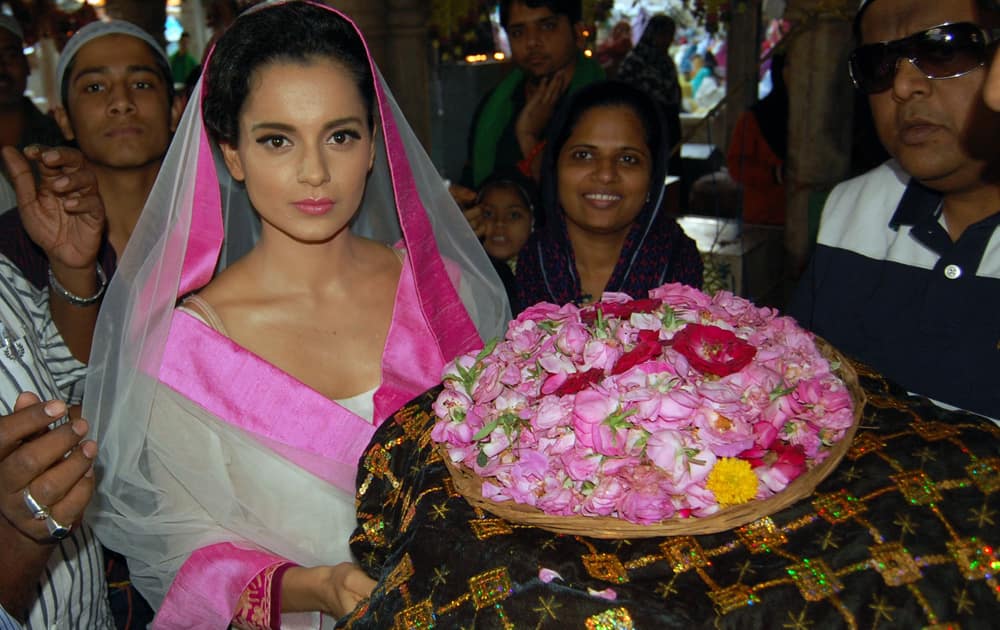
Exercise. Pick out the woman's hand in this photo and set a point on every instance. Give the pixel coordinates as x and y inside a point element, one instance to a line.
<point>333,590</point>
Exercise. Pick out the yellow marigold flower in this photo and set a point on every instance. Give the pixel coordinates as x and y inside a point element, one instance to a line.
<point>732,481</point>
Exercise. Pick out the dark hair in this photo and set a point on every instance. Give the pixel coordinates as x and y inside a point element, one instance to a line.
<point>297,32</point>
<point>162,67</point>
<point>514,180</point>
<point>659,24</point>
<point>604,94</point>
<point>570,8</point>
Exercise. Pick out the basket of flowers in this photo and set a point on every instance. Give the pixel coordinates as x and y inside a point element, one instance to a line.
<point>682,413</point>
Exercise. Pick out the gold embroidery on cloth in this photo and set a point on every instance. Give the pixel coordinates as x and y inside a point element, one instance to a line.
<point>916,487</point>
<point>732,598</point>
<point>484,528</point>
<point>684,553</point>
<point>761,535</point>
<point>814,579</point>
<point>985,473</point>
<point>864,442</point>
<point>976,560</point>
<point>895,564</point>
<point>605,566</point>
<point>401,574</point>
<point>932,431</point>
<point>420,616</point>
<point>837,507</point>
<point>612,619</point>
<point>490,588</point>
<point>374,530</point>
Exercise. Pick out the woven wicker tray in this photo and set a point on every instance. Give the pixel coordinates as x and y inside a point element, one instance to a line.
<point>469,485</point>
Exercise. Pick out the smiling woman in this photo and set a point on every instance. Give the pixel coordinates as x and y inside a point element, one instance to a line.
<point>603,195</point>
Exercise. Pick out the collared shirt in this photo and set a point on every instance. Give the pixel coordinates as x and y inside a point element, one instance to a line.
<point>888,286</point>
<point>33,357</point>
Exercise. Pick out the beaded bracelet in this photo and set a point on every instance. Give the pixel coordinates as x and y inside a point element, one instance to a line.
<point>75,299</point>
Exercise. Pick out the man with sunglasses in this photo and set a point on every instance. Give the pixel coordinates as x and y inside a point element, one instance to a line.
<point>906,273</point>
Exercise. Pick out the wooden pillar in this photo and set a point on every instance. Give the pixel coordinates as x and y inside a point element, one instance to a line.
<point>396,31</point>
<point>370,16</point>
<point>407,68</point>
<point>820,111</point>
<point>742,65</point>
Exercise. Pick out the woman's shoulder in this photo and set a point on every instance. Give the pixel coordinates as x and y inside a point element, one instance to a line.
<point>200,309</point>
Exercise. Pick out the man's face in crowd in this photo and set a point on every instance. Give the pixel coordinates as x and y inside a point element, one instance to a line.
<point>117,106</point>
<point>938,129</point>
<point>541,42</point>
<point>13,69</point>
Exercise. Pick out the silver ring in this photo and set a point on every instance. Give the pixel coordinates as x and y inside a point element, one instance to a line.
<point>38,511</point>
<point>57,530</point>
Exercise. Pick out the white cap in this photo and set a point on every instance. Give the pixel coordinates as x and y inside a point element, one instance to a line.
<point>8,23</point>
<point>94,30</point>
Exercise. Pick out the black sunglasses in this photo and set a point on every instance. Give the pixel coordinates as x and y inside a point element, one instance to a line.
<point>942,52</point>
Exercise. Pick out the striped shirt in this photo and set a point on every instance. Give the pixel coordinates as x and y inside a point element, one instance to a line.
<point>887,285</point>
<point>33,357</point>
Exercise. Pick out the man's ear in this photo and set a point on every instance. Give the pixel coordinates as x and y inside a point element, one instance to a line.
<point>234,164</point>
<point>62,119</point>
<point>176,110</point>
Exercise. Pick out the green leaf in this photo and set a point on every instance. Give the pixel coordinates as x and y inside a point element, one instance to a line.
<point>487,429</point>
<point>548,326</point>
<point>780,391</point>
<point>487,349</point>
<point>668,318</point>
<point>482,459</point>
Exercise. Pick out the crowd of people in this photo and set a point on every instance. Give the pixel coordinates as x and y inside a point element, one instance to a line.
<point>239,291</point>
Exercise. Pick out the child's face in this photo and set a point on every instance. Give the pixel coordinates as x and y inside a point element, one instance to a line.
<point>508,221</point>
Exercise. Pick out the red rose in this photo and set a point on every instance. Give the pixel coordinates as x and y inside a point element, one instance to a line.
<point>622,310</point>
<point>713,350</point>
<point>579,381</point>
<point>649,346</point>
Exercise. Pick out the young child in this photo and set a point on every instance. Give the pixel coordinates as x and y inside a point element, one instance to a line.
<point>508,204</point>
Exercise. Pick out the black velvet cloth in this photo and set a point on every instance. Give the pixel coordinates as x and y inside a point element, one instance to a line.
<point>903,534</point>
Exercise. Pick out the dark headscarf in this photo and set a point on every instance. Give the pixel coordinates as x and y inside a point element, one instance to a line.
<point>772,111</point>
<point>655,251</point>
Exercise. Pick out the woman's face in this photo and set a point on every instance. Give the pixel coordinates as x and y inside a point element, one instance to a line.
<point>304,148</point>
<point>604,170</point>
<point>508,221</point>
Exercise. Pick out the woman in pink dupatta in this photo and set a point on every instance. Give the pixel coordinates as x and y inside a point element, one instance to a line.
<point>231,425</point>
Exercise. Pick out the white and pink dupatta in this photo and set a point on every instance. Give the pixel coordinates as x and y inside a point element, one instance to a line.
<point>214,464</point>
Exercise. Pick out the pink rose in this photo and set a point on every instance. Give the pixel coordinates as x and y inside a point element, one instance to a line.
<point>648,498</point>
<point>553,412</point>
<point>572,338</point>
<point>725,436</point>
<point>581,465</point>
<point>600,354</point>
<point>604,497</point>
<point>556,498</point>
<point>679,457</point>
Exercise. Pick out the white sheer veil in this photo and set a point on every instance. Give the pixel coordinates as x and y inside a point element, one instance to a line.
<point>131,512</point>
